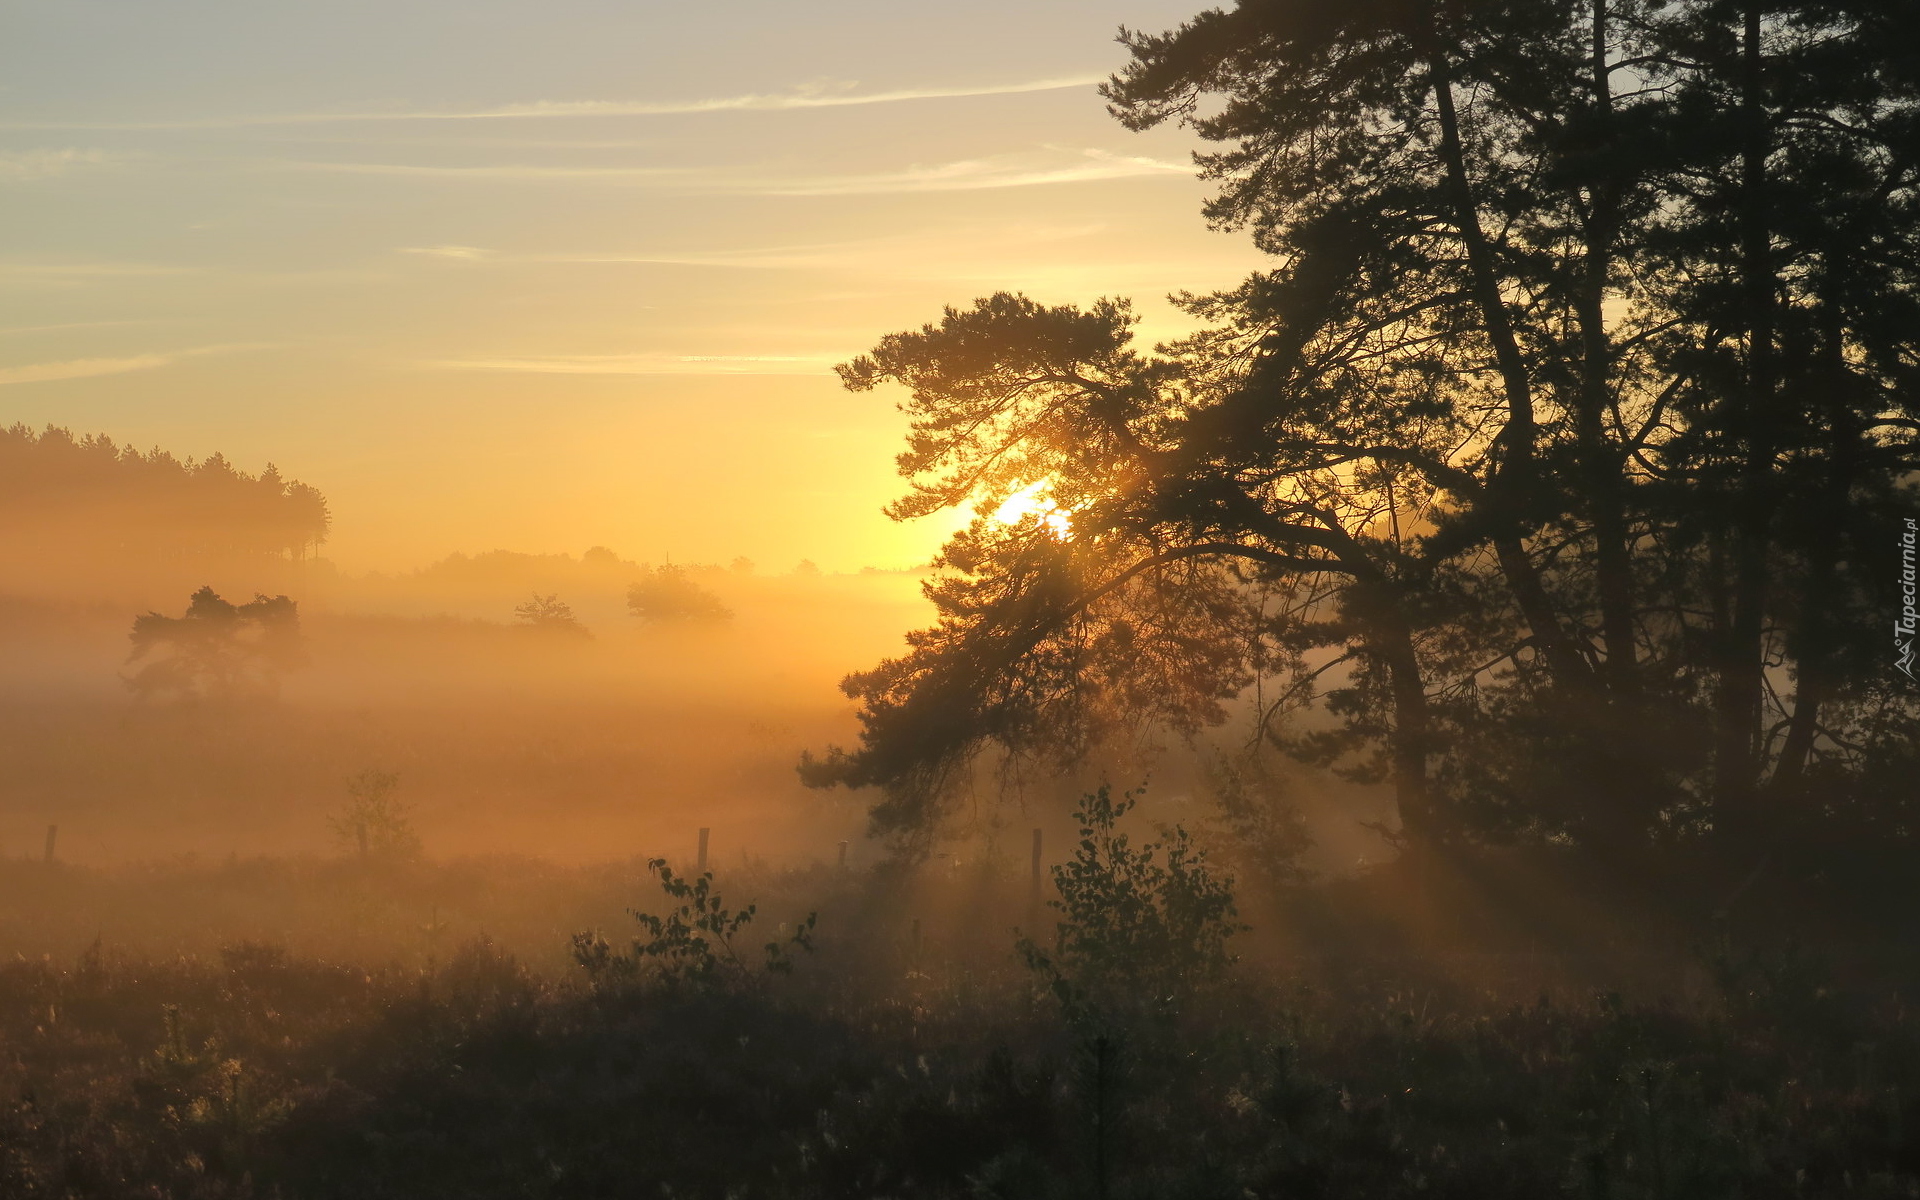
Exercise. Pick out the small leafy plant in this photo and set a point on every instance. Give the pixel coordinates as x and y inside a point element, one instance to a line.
<point>693,944</point>
<point>1141,926</point>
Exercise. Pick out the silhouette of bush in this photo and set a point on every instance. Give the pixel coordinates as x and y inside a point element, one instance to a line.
<point>374,824</point>
<point>1141,926</point>
<point>216,649</point>
<point>670,595</point>
<point>693,944</point>
<point>550,614</point>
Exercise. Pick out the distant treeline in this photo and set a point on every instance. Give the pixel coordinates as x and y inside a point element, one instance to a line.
<point>86,504</point>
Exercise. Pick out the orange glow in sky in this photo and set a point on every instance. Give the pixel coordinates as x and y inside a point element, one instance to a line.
<point>549,276</point>
<point>1034,502</point>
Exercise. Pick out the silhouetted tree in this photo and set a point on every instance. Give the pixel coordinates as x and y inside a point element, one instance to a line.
<point>1497,463</point>
<point>374,823</point>
<point>550,614</point>
<point>669,594</point>
<point>86,497</point>
<point>217,649</point>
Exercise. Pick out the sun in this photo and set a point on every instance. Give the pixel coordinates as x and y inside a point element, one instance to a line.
<point>1034,503</point>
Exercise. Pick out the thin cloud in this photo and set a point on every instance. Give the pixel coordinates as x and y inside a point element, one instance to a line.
<point>743,358</point>
<point>84,368</point>
<point>647,364</point>
<point>510,172</point>
<point>830,95</point>
<point>63,326</point>
<point>979,175</point>
<point>838,94</point>
<point>888,250</point>
<point>465,253</point>
<point>81,368</point>
<point>967,175</point>
<point>60,272</point>
<point>30,165</point>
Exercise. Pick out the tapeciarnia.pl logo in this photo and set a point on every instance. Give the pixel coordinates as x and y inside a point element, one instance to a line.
<point>1909,619</point>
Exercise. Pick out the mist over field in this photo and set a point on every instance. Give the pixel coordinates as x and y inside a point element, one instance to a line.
<point>508,738</point>
<point>540,764</point>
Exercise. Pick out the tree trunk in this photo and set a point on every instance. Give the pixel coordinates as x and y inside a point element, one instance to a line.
<point>1741,670</point>
<point>1812,644</point>
<point>1515,478</point>
<point>1601,461</point>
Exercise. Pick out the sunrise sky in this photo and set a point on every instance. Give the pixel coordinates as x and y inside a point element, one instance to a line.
<point>541,276</point>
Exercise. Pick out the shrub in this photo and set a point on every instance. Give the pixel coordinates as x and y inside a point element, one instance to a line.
<point>1140,926</point>
<point>551,614</point>
<point>374,824</point>
<point>693,944</point>
<point>670,595</point>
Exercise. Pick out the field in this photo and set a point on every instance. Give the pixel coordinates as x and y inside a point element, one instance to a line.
<point>1367,1054</point>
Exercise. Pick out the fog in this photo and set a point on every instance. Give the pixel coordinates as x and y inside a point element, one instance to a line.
<point>505,737</point>
<point>538,765</point>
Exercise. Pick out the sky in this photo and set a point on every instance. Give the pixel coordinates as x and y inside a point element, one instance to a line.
<point>543,276</point>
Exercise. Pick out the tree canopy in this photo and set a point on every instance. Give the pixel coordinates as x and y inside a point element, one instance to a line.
<point>153,499</point>
<point>671,595</point>
<point>550,614</point>
<point>216,650</point>
<point>1556,464</point>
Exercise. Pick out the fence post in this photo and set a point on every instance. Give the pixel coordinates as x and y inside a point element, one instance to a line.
<point>701,868</point>
<point>843,856</point>
<point>53,833</point>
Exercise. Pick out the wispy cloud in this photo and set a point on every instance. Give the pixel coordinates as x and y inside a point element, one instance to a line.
<point>829,94</point>
<point>29,165</point>
<point>83,368</point>
<point>968,242</point>
<point>648,364</point>
<point>834,94</point>
<point>1056,165</point>
<point>66,272</point>
<point>977,175</point>
<point>464,253</point>
<point>64,326</point>
<point>509,172</point>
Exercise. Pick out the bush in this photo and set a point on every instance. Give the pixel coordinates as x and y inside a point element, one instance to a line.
<point>374,824</point>
<point>551,614</point>
<point>1141,926</point>
<point>670,595</point>
<point>693,944</point>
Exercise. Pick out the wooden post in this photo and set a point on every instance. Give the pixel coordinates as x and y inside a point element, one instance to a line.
<point>1033,894</point>
<point>701,868</point>
<point>843,856</point>
<point>53,834</point>
<point>1102,1053</point>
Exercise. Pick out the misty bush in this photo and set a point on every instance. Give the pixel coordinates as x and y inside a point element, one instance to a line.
<point>1140,926</point>
<point>693,943</point>
<point>216,650</point>
<point>550,614</point>
<point>375,824</point>
<point>670,595</point>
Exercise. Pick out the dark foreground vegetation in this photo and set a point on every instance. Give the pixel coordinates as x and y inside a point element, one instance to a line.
<point>1410,1032</point>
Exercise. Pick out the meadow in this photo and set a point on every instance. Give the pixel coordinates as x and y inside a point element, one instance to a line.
<point>1400,1033</point>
